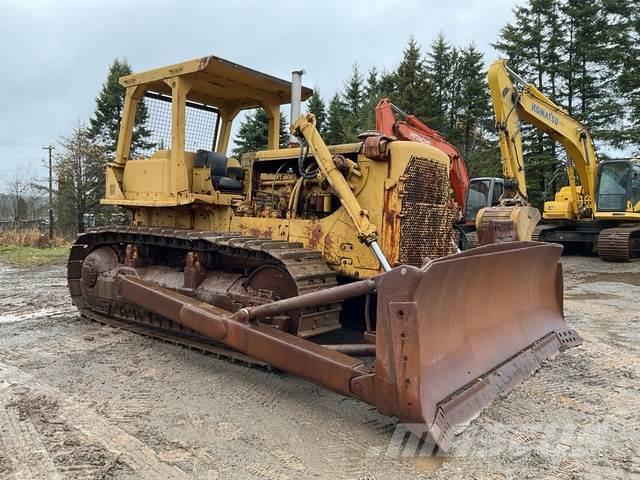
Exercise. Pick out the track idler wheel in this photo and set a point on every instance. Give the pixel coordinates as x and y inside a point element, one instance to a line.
<point>275,282</point>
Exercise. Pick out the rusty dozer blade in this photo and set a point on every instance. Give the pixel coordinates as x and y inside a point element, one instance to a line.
<point>455,334</point>
<point>450,336</point>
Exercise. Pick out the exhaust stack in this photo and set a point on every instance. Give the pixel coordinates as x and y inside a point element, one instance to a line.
<point>296,100</point>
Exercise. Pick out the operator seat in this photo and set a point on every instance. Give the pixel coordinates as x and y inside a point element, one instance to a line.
<point>224,178</point>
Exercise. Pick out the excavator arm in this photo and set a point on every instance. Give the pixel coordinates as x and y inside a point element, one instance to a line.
<point>513,105</point>
<point>411,128</point>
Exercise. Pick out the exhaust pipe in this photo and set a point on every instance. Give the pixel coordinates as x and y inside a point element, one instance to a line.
<point>296,100</point>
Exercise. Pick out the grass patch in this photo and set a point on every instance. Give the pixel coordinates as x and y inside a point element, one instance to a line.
<point>30,257</point>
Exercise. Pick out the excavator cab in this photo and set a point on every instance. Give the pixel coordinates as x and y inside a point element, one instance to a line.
<point>618,186</point>
<point>483,192</point>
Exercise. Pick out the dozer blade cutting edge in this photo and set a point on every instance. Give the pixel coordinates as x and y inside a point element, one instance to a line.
<point>450,336</point>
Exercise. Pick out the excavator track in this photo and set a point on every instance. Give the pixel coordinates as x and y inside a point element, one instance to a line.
<point>619,244</point>
<point>539,233</point>
<point>305,266</point>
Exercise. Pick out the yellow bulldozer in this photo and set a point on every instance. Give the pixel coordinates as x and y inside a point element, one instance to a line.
<point>333,263</point>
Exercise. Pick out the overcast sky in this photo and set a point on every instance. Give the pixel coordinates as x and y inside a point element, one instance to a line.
<point>54,55</point>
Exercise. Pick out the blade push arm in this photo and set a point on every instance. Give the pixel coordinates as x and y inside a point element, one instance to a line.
<point>512,105</point>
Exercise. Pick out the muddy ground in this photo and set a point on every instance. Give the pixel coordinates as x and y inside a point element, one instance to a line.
<point>80,400</point>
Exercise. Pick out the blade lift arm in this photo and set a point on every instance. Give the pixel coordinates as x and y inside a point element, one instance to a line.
<point>305,127</point>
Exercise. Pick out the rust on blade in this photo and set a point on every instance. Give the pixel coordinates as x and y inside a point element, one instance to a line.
<point>459,343</point>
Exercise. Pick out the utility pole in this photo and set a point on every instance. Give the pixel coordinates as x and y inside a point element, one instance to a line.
<point>50,148</point>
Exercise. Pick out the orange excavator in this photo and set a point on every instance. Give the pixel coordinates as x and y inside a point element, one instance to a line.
<point>412,129</point>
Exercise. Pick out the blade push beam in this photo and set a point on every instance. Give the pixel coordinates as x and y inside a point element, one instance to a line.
<point>446,345</point>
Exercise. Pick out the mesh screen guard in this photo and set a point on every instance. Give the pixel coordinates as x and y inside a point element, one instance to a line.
<point>201,124</point>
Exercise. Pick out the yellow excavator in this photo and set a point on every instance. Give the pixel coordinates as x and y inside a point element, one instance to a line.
<point>311,257</point>
<point>600,207</point>
<point>513,218</point>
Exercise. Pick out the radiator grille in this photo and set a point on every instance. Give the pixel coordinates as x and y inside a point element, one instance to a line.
<point>427,213</point>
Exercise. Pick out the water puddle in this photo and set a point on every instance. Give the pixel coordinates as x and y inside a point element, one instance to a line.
<point>619,277</point>
<point>589,296</point>
<point>22,316</point>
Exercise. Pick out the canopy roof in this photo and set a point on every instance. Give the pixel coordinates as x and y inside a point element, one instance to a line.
<point>219,83</point>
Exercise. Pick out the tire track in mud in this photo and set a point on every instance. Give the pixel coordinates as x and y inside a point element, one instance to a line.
<point>562,423</point>
<point>26,457</point>
<point>45,349</point>
<point>135,399</point>
<point>91,433</point>
<point>278,400</point>
<point>281,394</point>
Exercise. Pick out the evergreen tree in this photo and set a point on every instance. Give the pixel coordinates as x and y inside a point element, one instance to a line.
<point>105,123</point>
<point>386,84</point>
<point>624,26</point>
<point>456,80</point>
<point>337,112</point>
<point>372,87</point>
<point>473,109</point>
<point>585,51</point>
<point>372,94</point>
<point>510,42</point>
<point>441,65</point>
<point>80,185</point>
<point>253,134</point>
<point>316,106</point>
<point>412,90</point>
<point>622,59</point>
<point>353,100</point>
<point>354,91</point>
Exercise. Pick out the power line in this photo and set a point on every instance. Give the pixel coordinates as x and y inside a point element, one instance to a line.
<point>3,159</point>
<point>16,144</point>
<point>50,148</point>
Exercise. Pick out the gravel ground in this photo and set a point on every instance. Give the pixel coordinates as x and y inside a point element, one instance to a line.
<point>80,400</point>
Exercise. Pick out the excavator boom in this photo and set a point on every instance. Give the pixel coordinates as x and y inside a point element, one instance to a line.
<point>411,128</point>
<point>514,104</point>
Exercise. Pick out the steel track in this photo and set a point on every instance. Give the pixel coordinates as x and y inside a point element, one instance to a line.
<point>619,244</point>
<point>305,266</point>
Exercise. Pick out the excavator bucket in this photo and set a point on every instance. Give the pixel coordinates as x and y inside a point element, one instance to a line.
<point>453,335</point>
